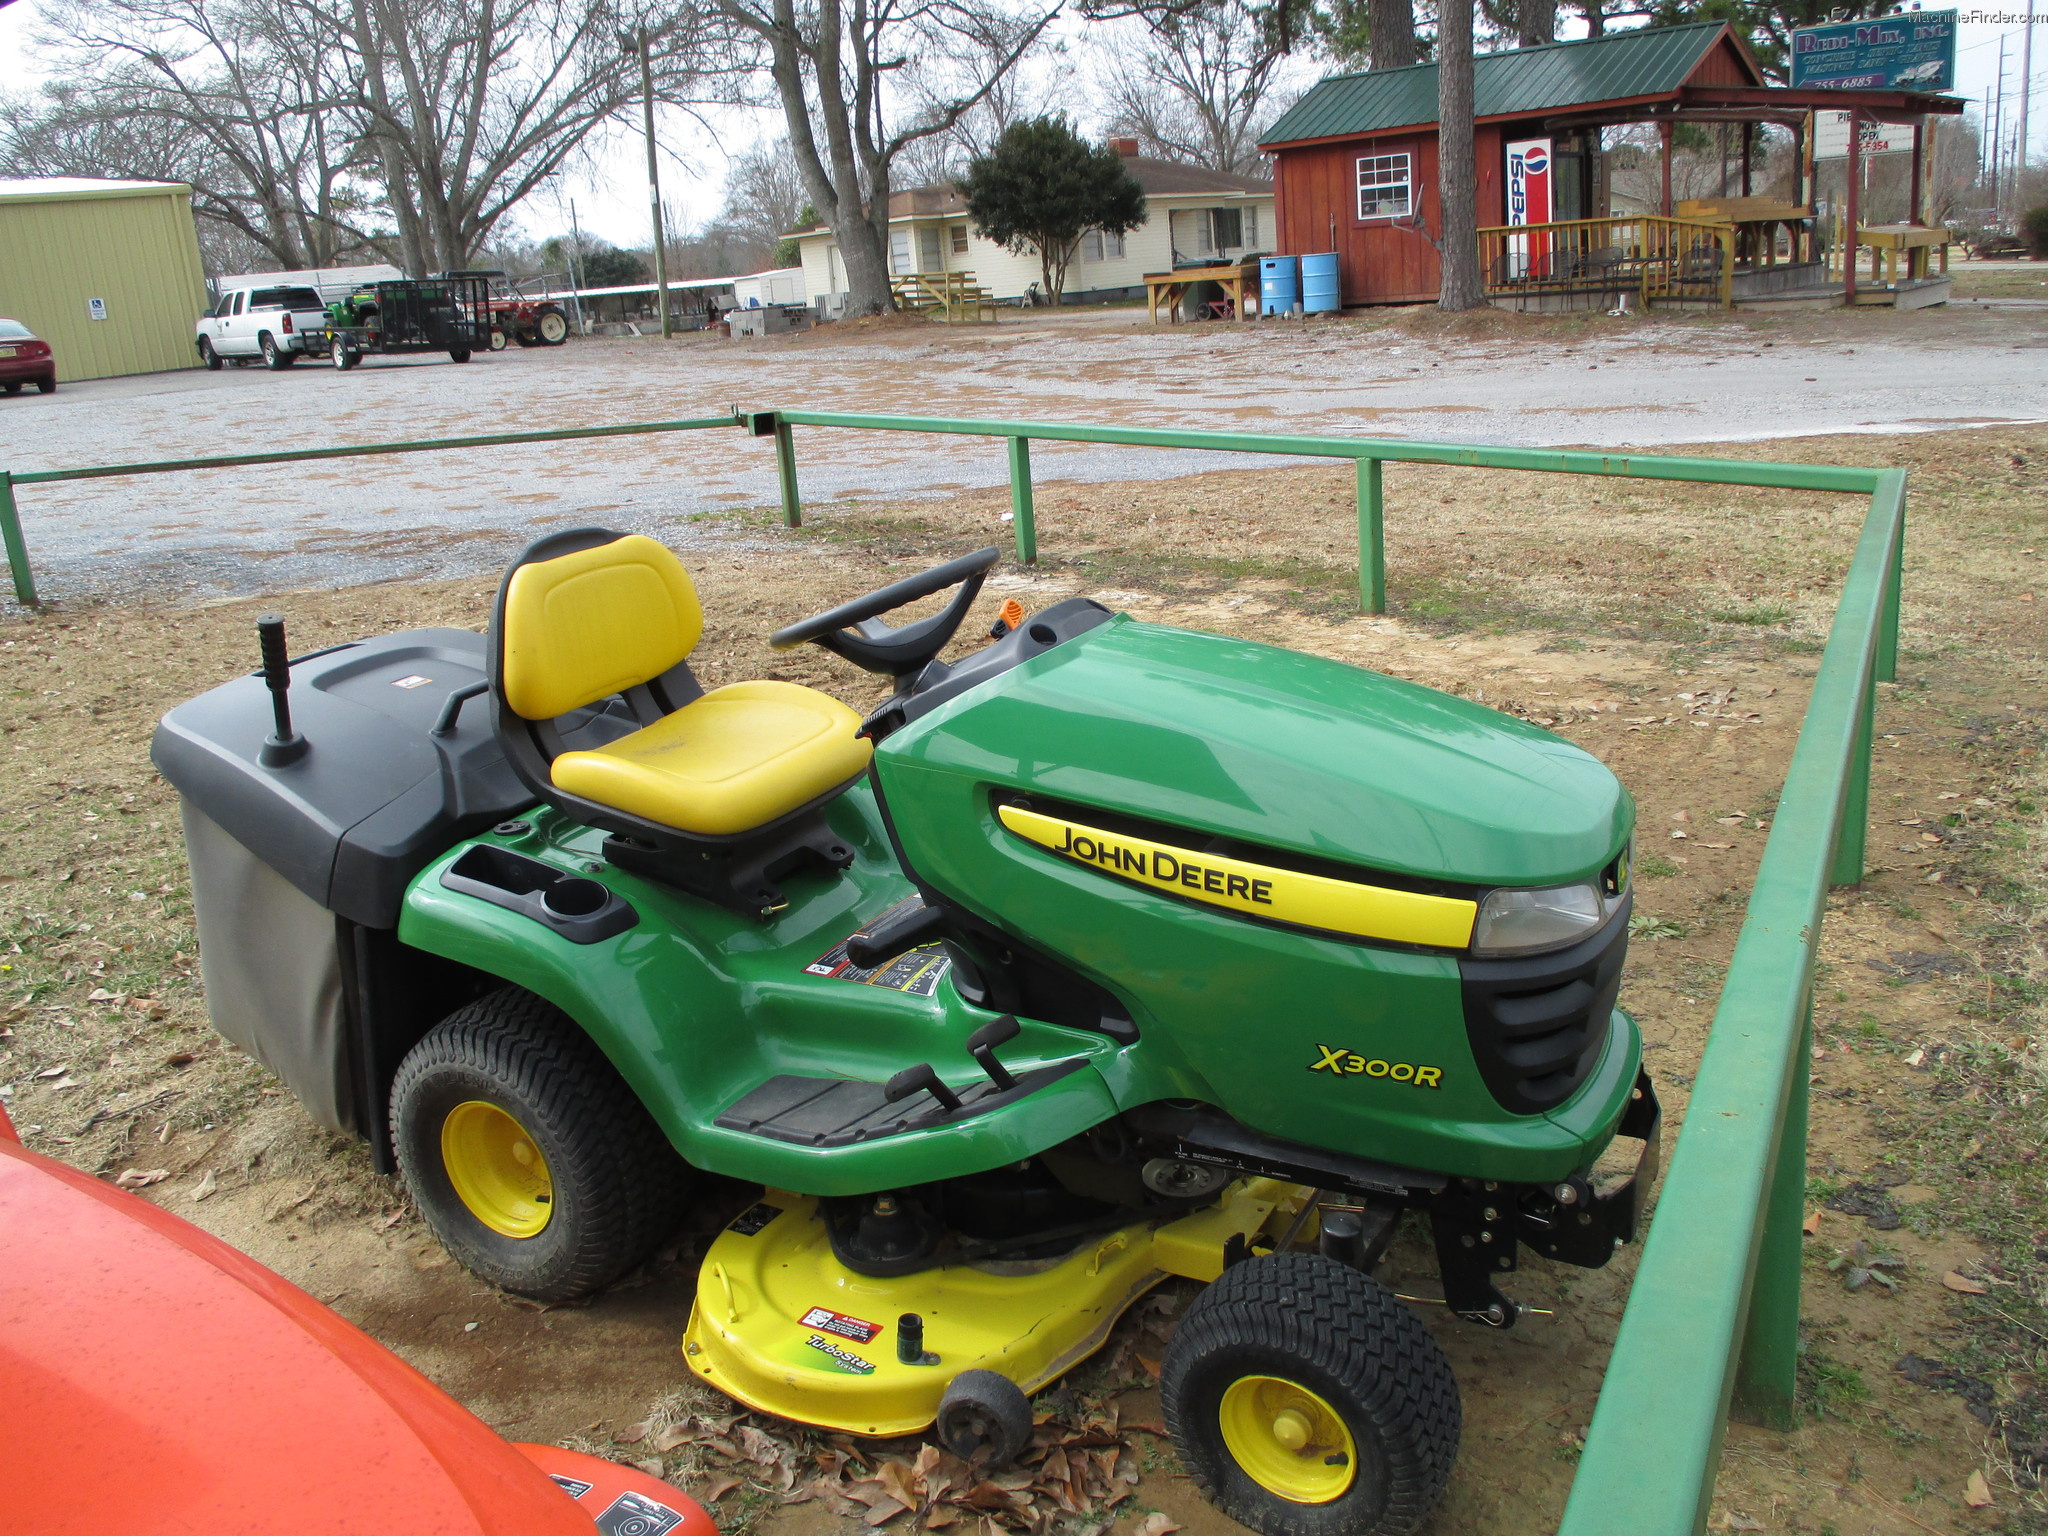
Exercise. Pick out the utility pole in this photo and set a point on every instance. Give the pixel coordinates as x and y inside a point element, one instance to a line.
<point>1997,141</point>
<point>576,270</point>
<point>2026,95</point>
<point>636,42</point>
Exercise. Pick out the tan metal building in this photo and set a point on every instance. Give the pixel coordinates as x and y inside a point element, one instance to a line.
<point>107,272</point>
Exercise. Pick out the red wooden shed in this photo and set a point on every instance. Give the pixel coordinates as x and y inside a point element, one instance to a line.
<point>1355,160</point>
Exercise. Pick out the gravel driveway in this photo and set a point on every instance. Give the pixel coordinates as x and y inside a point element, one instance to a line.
<point>1580,381</point>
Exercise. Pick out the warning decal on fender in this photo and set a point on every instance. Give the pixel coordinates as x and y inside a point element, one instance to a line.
<point>825,1320</point>
<point>915,971</point>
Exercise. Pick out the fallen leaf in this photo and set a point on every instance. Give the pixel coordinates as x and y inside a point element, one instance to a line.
<point>632,1434</point>
<point>1964,1285</point>
<point>940,1517</point>
<point>51,1072</point>
<point>205,1186</point>
<point>884,1512</point>
<point>1151,1367</point>
<point>181,1059</point>
<point>668,1439</point>
<point>1730,1521</point>
<point>901,1483</point>
<point>139,1178</point>
<point>717,1488</point>
<point>1977,1492</point>
<point>651,1466</point>
<point>386,1223</point>
<point>1155,1524</point>
<point>1812,1223</point>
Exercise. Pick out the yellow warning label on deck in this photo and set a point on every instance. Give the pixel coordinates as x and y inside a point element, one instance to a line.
<point>1258,890</point>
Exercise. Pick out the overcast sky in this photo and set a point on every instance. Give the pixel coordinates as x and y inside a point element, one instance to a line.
<point>608,181</point>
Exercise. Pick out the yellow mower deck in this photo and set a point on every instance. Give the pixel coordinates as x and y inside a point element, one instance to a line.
<point>783,1326</point>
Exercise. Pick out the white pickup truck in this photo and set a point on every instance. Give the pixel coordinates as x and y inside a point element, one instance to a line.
<point>275,324</point>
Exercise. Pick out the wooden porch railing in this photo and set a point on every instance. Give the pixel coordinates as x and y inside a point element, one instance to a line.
<point>955,295</point>
<point>1654,258</point>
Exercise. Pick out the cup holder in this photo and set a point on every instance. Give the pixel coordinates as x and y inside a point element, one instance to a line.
<point>574,897</point>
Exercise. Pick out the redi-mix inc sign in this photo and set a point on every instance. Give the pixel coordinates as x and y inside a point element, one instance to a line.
<point>1907,51</point>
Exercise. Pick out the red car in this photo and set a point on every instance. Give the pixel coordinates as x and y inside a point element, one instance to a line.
<point>157,1380</point>
<point>25,359</point>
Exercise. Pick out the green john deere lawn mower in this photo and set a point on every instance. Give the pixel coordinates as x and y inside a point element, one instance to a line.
<point>1105,953</point>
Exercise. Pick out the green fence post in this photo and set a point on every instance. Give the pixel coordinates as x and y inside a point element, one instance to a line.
<point>1888,620</point>
<point>1767,1374</point>
<point>785,474</point>
<point>1847,868</point>
<point>1372,539</point>
<point>1020,500</point>
<point>17,550</point>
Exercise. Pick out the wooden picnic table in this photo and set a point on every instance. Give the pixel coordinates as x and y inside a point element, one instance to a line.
<point>1887,242</point>
<point>1756,221</point>
<point>1170,288</point>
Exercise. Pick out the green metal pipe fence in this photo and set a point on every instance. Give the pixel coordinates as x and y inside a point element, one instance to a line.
<point>1713,1313</point>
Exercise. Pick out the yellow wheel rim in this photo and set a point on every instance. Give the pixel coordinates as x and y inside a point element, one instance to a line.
<point>497,1169</point>
<point>1288,1441</point>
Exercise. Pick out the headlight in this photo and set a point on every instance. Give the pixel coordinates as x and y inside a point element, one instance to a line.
<point>1522,922</point>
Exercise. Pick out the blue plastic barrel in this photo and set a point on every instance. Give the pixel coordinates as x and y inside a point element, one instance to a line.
<point>1319,284</point>
<point>1279,284</point>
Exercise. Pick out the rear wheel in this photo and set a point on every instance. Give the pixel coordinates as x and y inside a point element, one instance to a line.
<point>459,354</point>
<point>208,356</point>
<point>530,1158</point>
<point>275,358</point>
<point>341,355</point>
<point>497,338</point>
<point>47,384</point>
<point>1308,1401</point>
<point>552,327</point>
<point>11,387</point>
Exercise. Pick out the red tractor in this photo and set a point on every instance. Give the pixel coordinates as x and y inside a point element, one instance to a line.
<point>525,319</point>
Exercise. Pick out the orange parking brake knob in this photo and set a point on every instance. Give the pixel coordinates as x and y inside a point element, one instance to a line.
<point>1008,618</point>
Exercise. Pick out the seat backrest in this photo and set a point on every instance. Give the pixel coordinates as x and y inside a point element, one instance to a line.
<point>581,626</point>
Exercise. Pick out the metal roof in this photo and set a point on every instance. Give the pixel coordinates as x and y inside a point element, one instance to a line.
<point>1647,61</point>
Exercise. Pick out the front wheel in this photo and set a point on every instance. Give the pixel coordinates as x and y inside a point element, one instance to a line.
<point>530,1158</point>
<point>208,356</point>
<point>1308,1401</point>
<point>497,339</point>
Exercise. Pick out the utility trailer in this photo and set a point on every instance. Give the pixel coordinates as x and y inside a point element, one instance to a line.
<point>437,314</point>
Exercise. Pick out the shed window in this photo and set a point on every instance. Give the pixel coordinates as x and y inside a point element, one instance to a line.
<point>1384,187</point>
<point>899,251</point>
<point>959,239</point>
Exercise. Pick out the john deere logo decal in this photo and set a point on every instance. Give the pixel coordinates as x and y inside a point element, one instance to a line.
<point>1339,1062</point>
<point>1256,890</point>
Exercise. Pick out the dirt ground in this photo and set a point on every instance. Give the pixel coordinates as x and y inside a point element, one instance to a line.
<point>1674,631</point>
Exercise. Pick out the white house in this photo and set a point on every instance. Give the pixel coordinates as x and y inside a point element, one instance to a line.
<point>1194,217</point>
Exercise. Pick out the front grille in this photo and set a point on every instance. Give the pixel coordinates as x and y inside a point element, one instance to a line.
<point>1536,1022</point>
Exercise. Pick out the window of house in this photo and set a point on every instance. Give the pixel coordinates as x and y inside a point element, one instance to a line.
<point>1099,245</point>
<point>959,239</point>
<point>929,259</point>
<point>1226,228</point>
<point>899,251</point>
<point>1251,226</point>
<point>1385,190</point>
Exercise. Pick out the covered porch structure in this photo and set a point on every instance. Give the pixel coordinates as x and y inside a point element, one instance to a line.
<point>1741,246</point>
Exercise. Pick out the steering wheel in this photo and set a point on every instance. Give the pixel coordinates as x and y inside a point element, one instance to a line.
<point>853,630</point>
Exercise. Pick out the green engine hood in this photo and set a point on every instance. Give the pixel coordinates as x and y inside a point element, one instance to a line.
<point>1275,747</point>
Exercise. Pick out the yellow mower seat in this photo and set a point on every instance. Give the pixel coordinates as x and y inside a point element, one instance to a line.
<point>733,760</point>
<point>580,627</point>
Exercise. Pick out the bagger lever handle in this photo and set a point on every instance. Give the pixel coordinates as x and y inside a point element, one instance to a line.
<point>920,1079</point>
<point>981,1045</point>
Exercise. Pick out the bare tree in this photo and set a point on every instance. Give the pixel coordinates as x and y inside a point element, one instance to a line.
<point>1459,287</point>
<point>233,98</point>
<point>1200,85</point>
<point>860,81</point>
<point>469,105</point>
<point>764,194</point>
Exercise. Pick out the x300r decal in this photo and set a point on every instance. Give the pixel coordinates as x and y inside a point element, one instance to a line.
<point>1339,1062</point>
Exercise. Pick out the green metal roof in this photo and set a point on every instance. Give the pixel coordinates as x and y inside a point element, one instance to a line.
<point>1645,62</point>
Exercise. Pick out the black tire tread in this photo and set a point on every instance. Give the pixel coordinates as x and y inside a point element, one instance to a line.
<point>1357,1331</point>
<point>521,1039</point>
